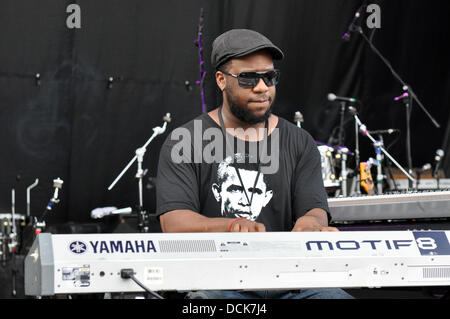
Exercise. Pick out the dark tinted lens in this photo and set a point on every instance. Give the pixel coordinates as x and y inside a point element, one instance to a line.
<point>248,79</point>
<point>271,77</point>
<point>251,79</point>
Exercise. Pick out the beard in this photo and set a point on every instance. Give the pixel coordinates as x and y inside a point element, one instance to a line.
<point>242,112</point>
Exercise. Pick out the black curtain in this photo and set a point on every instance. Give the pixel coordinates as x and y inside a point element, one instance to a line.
<point>72,122</point>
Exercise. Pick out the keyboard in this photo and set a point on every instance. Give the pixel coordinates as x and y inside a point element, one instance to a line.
<point>391,206</point>
<point>94,263</point>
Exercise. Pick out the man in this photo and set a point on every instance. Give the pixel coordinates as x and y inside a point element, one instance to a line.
<point>190,194</point>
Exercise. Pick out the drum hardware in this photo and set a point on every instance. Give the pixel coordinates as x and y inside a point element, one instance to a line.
<point>328,169</point>
<point>10,226</point>
<point>139,157</point>
<point>29,188</point>
<point>334,158</point>
<point>342,155</point>
<point>9,234</point>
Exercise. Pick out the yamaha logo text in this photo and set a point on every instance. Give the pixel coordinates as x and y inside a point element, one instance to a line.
<point>114,246</point>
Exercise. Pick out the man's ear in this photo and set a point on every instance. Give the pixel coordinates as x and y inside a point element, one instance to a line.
<point>220,80</point>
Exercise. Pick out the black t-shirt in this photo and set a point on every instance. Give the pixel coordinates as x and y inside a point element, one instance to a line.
<point>195,175</point>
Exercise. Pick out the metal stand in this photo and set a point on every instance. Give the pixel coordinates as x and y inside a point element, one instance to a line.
<point>344,172</point>
<point>341,125</point>
<point>405,86</point>
<point>407,100</point>
<point>379,156</point>
<point>39,225</point>
<point>140,152</point>
<point>142,214</point>
<point>438,158</point>
<point>437,181</point>
<point>410,97</point>
<point>29,188</point>
<point>364,131</point>
<point>356,185</point>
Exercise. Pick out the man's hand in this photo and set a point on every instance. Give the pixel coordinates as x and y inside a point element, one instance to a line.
<point>314,220</point>
<point>245,225</point>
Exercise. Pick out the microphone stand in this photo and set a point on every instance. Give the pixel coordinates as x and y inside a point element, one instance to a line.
<point>198,44</point>
<point>436,171</point>
<point>411,96</point>
<point>140,152</point>
<point>364,131</point>
<point>407,100</point>
<point>357,157</point>
<point>341,125</point>
<point>437,177</point>
<point>298,118</point>
<point>379,156</point>
<point>39,225</point>
<point>404,84</point>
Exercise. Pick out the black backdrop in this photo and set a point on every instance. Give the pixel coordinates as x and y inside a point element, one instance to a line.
<point>72,126</point>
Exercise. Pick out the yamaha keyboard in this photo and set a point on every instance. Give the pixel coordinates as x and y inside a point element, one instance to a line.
<point>396,206</point>
<point>92,263</point>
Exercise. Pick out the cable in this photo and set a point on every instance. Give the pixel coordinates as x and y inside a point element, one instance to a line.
<point>128,273</point>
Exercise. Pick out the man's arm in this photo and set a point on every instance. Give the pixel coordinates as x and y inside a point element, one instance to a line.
<point>314,220</point>
<point>187,221</point>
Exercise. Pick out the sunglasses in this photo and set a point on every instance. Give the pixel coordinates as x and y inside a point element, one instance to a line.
<point>251,79</point>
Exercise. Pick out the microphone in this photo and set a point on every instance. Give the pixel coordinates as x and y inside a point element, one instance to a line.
<point>352,27</point>
<point>57,184</point>
<point>400,97</point>
<point>167,118</point>
<point>298,118</point>
<point>160,130</point>
<point>424,168</point>
<point>387,131</point>
<point>439,155</point>
<point>110,210</point>
<point>353,110</point>
<point>438,158</point>
<point>373,162</point>
<point>334,97</point>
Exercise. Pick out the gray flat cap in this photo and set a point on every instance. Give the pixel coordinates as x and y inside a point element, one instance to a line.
<point>240,42</point>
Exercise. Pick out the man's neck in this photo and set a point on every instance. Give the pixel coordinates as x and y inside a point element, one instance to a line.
<point>240,129</point>
<point>231,121</point>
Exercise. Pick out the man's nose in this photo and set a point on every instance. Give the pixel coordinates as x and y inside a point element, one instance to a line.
<point>261,86</point>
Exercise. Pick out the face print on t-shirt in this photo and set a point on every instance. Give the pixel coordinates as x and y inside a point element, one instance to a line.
<point>237,199</point>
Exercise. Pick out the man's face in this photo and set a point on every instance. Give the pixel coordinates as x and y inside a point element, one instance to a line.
<point>250,105</point>
<point>232,195</point>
